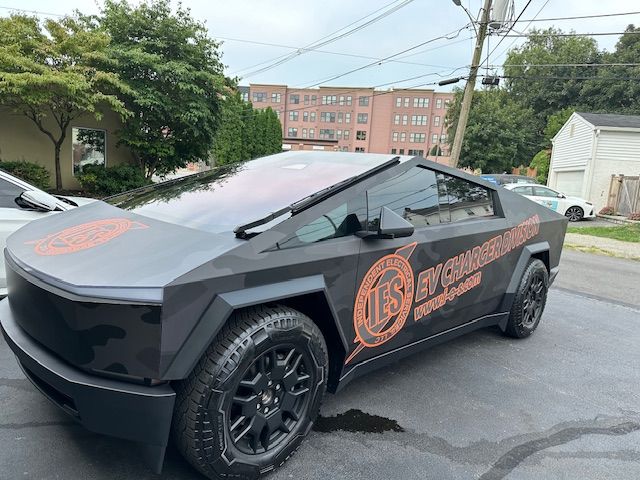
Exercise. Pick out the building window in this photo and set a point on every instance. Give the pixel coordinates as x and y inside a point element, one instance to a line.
<point>401,151</point>
<point>340,117</point>
<point>438,103</point>
<point>244,96</point>
<point>359,149</point>
<point>395,137</point>
<point>363,101</point>
<point>329,99</point>
<point>443,138</point>
<point>419,153</point>
<point>313,99</point>
<point>294,98</point>
<point>341,100</point>
<point>329,117</point>
<point>312,133</point>
<point>363,118</point>
<point>275,98</point>
<point>347,118</point>
<point>393,151</point>
<point>346,134</point>
<point>305,116</point>
<point>406,102</point>
<point>434,138</point>
<point>304,133</point>
<point>403,137</point>
<point>447,103</point>
<point>306,99</point>
<point>327,134</point>
<point>396,119</point>
<point>292,132</point>
<point>436,121</point>
<point>312,117</point>
<point>417,137</point>
<point>398,102</point>
<point>88,148</point>
<point>420,102</point>
<point>405,119</point>
<point>419,120</point>
<point>259,97</point>
<point>338,134</point>
<point>277,114</point>
<point>349,100</point>
<point>293,115</point>
<point>361,135</point>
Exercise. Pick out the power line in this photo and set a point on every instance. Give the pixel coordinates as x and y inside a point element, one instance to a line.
<point>594,65</point>
<point>595,34</point>
<point>551,77</point>
<point>581,17</point>
<point>37,12</point>
<point>525,28</point>
<point>334,36</point>
<point>455,33</point>
<point>510,29</point>
<point>329,52</point>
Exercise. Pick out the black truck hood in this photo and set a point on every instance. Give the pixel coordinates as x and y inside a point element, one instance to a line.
<point>104,251</point>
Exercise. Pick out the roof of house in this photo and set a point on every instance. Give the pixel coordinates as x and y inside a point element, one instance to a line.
<point>611,120</point>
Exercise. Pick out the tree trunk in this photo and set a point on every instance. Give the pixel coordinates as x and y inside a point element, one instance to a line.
<point>57,146</point>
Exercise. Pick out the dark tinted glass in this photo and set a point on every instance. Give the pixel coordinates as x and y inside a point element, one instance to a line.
<point>225,197</point>
<point>524,190</point>
<point>413,195</point>
<point>466,199</point>
<point>8,194</point>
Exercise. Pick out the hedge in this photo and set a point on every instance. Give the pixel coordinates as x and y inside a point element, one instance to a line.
<point>32,173</point>
<point>101,181</point>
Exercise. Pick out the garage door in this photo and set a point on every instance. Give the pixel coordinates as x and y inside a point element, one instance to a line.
<point>570,183</point>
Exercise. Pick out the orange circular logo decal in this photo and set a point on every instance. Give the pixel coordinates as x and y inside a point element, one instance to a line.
<point>384,299</point>
<point>84,236</point>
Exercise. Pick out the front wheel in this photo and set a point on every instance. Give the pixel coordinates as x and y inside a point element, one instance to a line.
<point>529,301</point>
<point>574,214</point>
<point>254,395</point>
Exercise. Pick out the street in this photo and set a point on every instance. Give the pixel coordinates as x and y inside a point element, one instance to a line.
<point>563,404</point>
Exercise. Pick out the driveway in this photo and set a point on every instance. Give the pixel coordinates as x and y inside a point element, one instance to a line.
<point>563,404</point>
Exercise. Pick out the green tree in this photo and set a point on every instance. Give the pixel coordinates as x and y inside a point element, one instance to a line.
<point>541,163</point>
<point>435,151</point>
<point>50,72</point>
<point>175,77</point>
<point>227,145</point>
<point>249,131</point>
<point>273,132</point>
<point>555,122</point>
<point>616,88</point>
<point>549,89</point>
<point>499,135</point>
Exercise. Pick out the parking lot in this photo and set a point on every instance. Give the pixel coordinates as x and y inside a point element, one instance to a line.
<point>563,404</point>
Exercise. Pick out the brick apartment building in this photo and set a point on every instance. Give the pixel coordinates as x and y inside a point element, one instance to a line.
<point>409,121</point>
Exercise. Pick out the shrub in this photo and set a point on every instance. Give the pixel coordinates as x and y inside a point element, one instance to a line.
<point>606,211</point>
<point>541,163</point>
<point>35,174</point>
<point>101,181</point>
<point>634,216</point>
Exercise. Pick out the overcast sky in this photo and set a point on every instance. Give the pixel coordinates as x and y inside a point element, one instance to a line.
<point>297,23</point>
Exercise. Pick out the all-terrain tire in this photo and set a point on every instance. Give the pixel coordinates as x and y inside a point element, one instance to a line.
<point>530,300</point>
<point>220,388</point>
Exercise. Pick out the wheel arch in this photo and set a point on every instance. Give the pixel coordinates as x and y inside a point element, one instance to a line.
<point>307,295</point>
<point>538,250</point>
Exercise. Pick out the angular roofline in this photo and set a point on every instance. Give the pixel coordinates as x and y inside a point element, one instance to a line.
<point>609,127</point>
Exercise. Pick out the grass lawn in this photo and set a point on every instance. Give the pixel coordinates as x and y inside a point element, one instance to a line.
<point>626,233</point>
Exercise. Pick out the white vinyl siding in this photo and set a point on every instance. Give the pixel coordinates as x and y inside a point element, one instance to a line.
<point>572,146</point>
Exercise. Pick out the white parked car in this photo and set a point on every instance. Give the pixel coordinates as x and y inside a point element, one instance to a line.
<point>574,208</point>
<point>20,203</point>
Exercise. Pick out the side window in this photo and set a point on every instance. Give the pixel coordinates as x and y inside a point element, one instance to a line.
<point>467,199</point>
<point>524,190</point>
<point>544,192</point>
<point>413,195</point>
<point>342,221</point>
<point>8,194</point>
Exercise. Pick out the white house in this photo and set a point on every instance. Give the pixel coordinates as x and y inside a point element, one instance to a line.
<point>591,147</point>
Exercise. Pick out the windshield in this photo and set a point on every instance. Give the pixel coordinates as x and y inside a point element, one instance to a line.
<point>228,196</point>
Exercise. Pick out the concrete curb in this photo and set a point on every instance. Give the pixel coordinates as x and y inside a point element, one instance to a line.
<point>618,219</point>
<point>602,246</point>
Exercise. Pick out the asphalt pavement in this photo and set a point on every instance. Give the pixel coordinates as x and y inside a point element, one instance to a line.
<point>563,404</point>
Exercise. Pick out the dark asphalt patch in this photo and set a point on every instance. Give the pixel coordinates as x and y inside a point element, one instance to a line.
<point>510,460</point>
<point>356,421</point>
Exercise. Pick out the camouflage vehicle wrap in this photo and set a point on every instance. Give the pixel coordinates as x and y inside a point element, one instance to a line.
<point>113,304</point>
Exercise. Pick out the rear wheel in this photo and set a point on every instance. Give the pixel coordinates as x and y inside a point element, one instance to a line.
<point>254,395</point>
<point>574,214</point>
<point>529,301</point>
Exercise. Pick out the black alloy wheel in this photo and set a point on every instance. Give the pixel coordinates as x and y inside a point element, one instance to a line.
<point>270,400</point>
<point>529,301</point>
<point>574,214</point>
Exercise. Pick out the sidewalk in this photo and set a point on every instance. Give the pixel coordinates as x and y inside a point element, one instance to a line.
<point>605,246</point>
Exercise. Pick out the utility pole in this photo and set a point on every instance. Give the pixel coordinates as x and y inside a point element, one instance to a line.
<point>469,88</point>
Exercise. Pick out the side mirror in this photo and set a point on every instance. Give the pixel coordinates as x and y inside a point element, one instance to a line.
<point>38,200</point>
<point>391,225</point>
<point>562,195</point>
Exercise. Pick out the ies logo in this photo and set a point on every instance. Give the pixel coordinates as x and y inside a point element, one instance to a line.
<point>84,236</point>
<point>384,299</point>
